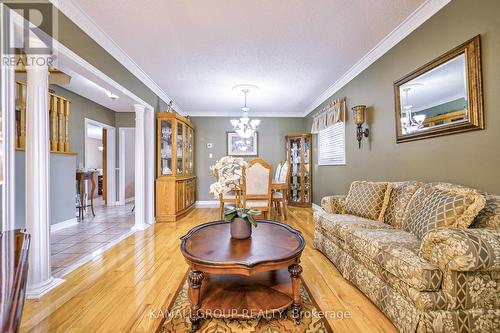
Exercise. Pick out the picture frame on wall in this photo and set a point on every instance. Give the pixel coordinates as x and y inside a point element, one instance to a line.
<point>238,146</point>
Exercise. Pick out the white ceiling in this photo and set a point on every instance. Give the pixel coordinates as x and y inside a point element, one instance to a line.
<point>196,51</point>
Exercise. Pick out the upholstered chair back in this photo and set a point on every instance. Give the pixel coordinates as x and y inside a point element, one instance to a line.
<point>285,173</point>
<point>277,173</point>
<point>257,179</point>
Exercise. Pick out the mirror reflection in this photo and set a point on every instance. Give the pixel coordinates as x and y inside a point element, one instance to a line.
<point>435,98</point>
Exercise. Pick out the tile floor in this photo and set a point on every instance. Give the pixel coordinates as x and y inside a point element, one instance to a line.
<point>77,244</point>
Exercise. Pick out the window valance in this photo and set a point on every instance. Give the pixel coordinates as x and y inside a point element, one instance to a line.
<point>331,114</point>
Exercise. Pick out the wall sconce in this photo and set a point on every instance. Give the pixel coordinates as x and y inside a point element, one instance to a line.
<point>359,119</point>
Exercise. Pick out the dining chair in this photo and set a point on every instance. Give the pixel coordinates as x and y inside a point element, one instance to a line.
<point>256,189</point>
<point>277,173</point>
<point>279,197</point>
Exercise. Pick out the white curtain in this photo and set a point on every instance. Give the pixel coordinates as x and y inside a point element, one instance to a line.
<point>331,114</point>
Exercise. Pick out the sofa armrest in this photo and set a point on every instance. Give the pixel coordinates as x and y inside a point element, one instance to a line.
<point>334,204</point>
<point>463,250</point>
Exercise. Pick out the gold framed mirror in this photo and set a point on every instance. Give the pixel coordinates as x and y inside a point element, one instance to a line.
<point>442,97</point>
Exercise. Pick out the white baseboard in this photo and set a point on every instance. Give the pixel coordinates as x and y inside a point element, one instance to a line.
<point>129,199</point>
<point>207,204</point>
<point>63,224</point>
<point>36,292</point>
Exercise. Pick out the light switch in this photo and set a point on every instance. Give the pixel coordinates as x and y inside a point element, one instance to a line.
<point>210,155</point>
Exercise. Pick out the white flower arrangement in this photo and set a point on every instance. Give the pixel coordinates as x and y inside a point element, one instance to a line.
<point>228,171</point>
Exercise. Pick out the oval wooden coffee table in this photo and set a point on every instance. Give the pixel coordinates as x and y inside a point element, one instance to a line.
<point>248,278</point>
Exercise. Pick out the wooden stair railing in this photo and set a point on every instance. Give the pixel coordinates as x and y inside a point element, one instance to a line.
<point>59,110</point>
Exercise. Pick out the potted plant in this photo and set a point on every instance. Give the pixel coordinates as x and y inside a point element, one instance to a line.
<point>242,220</point>
<point>228,172</point>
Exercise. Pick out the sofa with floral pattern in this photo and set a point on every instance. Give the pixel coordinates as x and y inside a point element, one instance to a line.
<point>428,255</point>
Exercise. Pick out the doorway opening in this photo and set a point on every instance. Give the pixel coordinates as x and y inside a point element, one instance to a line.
<point>99,159</point>
<point>126,175</point>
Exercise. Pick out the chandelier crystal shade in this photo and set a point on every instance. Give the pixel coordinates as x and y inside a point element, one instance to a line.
<point>245,127</point>
<point>410,121</point>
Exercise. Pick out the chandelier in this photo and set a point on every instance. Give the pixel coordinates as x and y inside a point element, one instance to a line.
<point>245,127</point>
<point>411,122</point>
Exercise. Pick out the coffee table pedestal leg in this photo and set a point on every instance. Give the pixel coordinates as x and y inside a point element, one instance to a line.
<point>195,278</point>
<point>295,271</point>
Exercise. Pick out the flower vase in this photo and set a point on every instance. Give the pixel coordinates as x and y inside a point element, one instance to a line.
<point>240,228</point>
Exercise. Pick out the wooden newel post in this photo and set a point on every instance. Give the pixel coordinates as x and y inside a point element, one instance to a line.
<point>53,123</point>
<point>22,116</point>
<point>66,125</point>
<point>60,114</point>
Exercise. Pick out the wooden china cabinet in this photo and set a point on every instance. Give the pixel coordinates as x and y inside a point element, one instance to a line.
<point>299,153</point>
<point>176,180</point>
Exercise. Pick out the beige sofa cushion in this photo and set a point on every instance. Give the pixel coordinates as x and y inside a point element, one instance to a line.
<point>489,216</point>
<point>368,199</point>
<point>400,197</point>
<point>439,206</point>
<point>338,226</point>
<point>396,252</point>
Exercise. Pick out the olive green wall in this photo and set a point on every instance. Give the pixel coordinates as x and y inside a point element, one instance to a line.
<point>124,119</point>
<point>272,133</point>
<point>80,109</point>
<point>471,159</point>
<point>62,189</point>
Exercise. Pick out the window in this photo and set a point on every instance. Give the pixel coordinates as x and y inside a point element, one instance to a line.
<point>331,145</point>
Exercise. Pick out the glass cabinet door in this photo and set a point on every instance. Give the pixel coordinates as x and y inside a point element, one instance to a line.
<point>190,152</point>
<point>180,148</point>
<point>307,169</point>
<point>166,147</point>
<point>295,172</point>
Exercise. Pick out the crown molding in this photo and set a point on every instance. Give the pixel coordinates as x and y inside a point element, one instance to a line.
<point>76,14</point>
<point>239,114</point>
<point>412,22</point>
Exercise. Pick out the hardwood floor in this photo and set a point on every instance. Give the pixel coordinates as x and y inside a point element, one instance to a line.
<point>125,288</point>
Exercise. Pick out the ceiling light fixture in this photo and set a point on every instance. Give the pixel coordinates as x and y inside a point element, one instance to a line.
<point>245,127</point>
<point>111,95</point>
<point>410,120</point>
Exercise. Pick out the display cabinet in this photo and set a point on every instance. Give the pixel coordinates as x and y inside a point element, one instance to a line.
<point>176,180</point>
<point>300,183</point>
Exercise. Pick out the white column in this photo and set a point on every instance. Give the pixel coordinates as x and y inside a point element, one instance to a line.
<point>8,86</point>
<point>150,164</point>
<point>40,278</point>
<point>140,176</point>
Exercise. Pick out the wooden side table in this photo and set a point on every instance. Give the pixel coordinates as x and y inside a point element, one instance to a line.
<point>81,177</point>
<point>246,278</point>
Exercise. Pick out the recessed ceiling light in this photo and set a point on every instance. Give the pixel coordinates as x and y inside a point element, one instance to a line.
<point>111,95</point>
